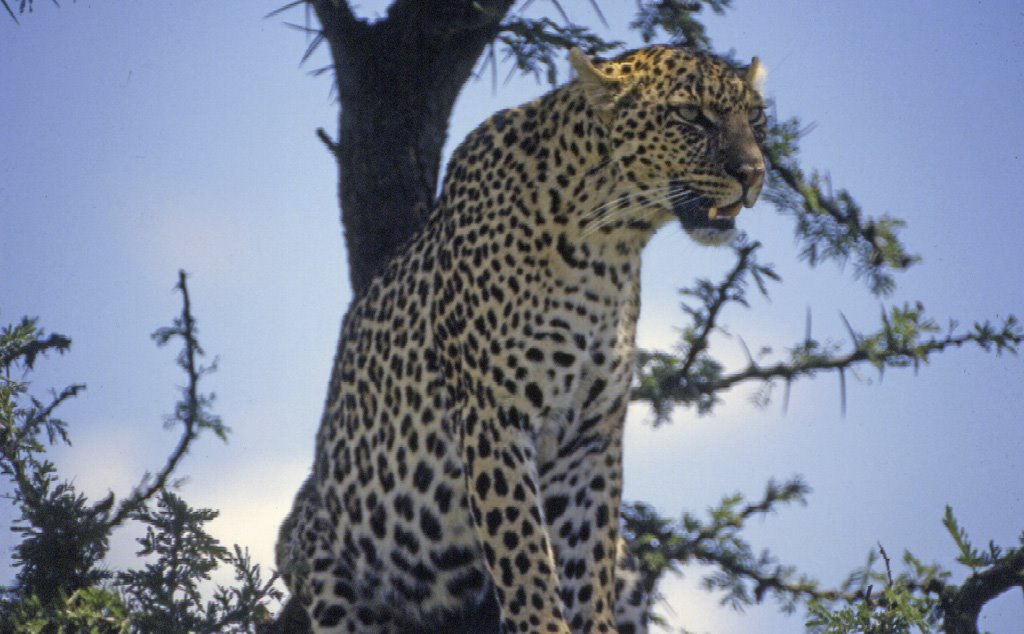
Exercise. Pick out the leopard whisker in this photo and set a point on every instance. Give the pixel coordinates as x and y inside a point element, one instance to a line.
<point>609,204</point>
<point>644,203</point>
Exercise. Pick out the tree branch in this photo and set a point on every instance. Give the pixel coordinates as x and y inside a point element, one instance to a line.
<point>722,294</point>
<point>32,349</point>
<point>10,12</point>
<point>962,606</point>
<point>345,33</point>
<point>532,43</point>
<point>830,225</point>
<point>662,545</point>
<point>898,354</point>
<point>191,411</point>
<point>326,139</point>
<point>899,343</point>
<point>676,19</point>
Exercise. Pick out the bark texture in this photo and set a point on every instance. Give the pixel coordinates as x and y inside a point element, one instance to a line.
<point>397,80</point>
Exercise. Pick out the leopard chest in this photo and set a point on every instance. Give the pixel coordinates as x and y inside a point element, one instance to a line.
<point>577,357</point>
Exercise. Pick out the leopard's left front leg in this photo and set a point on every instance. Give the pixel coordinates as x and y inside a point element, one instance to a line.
<point>504,499</point>
<point>581,486</point>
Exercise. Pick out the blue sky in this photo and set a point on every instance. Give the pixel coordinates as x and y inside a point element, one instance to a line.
<point>140,138</point>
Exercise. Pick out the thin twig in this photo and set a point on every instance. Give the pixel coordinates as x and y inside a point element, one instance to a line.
<point>700,343</point>
<point>327,140</point>
<point>888,564</point>
<point>142,493</point>
<point>10,12</point>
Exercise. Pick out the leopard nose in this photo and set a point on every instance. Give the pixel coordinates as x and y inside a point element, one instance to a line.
<point>749,174</point>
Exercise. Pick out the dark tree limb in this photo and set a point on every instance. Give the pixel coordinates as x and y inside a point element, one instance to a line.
<point>343,30</point>
<point>962,605</point>
<point>397,82</point>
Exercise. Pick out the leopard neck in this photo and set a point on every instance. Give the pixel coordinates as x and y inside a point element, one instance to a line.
<point>549,163</point>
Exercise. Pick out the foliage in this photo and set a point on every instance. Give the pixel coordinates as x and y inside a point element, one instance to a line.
<point>922,598</point>
<point>94,609</point>
<point>675,21</point>
<point>919,599</point>
<point>896,610</point>
<point>62,536</point>
<point>166,593</point>
<point>61,585</point>
<point>535,43</point>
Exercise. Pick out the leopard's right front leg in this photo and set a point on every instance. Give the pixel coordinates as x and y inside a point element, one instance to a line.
<point>501,476</point>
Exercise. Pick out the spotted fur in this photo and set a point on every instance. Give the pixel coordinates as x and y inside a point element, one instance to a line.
<point>471,444</point>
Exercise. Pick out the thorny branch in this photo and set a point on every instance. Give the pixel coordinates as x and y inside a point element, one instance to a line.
<point>922,595</point>
<point>664,545</point>
<point>192,412</point>
<point>906,338</point>
<point>697,338</point>
<point>830,224</point>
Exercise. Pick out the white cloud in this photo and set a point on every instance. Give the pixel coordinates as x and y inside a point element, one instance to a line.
<point>215,243</point>
<point>686,605</point>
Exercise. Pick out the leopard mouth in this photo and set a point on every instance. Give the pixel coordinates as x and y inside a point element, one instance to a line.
<point>701,213</point>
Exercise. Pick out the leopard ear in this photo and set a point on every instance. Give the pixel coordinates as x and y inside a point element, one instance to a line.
<point>600,88</point>
<point>754,76</point>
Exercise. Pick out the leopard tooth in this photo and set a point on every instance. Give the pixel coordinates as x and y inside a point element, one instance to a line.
<point>712,213</point>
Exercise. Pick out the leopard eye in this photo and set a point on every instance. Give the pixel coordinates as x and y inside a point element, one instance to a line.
<point>688,112</point>
<point>694,115</point>
<point>756,116</point>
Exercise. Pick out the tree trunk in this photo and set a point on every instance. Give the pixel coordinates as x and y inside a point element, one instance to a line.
<point>397,80</point>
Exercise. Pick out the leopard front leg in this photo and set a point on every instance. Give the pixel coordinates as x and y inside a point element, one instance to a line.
<point>505,502</point>
<point>631,597</point>
<point>581,494</point>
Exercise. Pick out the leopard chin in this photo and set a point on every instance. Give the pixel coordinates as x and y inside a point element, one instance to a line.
<point>705,223</point>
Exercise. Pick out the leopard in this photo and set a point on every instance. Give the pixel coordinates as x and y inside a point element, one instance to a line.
<point>469,458</point>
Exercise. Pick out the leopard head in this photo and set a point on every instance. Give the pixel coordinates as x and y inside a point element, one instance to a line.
<point>685,132</point>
